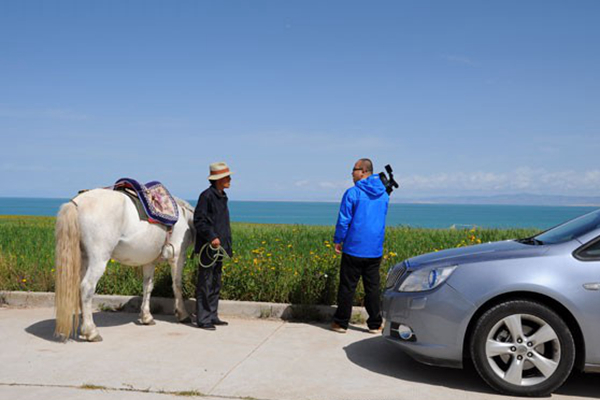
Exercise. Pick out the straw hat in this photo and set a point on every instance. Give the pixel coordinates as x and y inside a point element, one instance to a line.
<point>218,170</point>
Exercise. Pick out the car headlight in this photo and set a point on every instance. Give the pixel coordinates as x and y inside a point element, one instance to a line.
<point>426,279</point>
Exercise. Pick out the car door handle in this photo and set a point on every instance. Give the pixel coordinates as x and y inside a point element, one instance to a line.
<point>592,286</point>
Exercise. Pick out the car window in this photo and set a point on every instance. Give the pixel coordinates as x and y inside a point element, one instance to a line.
<point>590,252</point>
<point>571,229</point>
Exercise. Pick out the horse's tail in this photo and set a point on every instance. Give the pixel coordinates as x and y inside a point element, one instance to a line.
<point>68,271</point>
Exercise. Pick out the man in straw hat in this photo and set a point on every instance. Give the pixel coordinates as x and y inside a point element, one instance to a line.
<point>211,220</point>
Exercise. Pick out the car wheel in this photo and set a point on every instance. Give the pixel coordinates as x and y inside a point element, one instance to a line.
<point>522,348</point>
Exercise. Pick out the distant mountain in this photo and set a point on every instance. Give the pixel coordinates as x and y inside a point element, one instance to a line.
<point>509,199</point>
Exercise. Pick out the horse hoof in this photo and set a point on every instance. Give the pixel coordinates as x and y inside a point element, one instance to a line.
<point>149,323</point>
<point>95,339</point>
<point>186,320</point>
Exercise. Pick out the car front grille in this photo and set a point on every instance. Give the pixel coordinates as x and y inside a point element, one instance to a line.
<point>394,275</point>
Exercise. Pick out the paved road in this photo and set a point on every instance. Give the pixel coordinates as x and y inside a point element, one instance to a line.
<point>261,359</point>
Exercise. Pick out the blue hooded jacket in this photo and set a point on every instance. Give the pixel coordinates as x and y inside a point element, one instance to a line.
<point>361,221</point>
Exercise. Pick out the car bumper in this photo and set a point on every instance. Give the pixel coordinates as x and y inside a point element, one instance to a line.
<point>438,320</point>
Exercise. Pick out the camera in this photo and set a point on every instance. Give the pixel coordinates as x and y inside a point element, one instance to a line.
<point>388,181</point>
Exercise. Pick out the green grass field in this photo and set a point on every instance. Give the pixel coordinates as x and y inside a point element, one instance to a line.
<point>274,263</point>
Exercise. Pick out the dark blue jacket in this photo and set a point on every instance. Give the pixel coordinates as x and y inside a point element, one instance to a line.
<point>211,219</point>
<point>361,221</point>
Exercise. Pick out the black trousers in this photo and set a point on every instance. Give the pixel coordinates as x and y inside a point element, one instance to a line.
<point>352,268</point>
<point>208,287</point>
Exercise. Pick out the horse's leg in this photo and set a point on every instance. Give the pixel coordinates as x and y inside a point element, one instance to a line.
<point>93,273</point>
<point>145,315</point>
<point>177,264</point>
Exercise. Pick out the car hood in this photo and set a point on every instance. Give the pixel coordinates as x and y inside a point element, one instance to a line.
<point>508,249</point>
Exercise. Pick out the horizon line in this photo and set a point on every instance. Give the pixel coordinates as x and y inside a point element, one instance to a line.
<point>415,201</point>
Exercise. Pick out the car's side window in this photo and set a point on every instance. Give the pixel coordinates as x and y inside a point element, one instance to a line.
<point>590,252</point>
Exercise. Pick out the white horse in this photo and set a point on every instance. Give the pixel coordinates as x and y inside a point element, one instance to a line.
<point>100,225</point>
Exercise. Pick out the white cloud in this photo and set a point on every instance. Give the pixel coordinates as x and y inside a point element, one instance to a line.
<point>49,113</point>
<point>64,114</point>
<point>458,59</point>
<point>518,180</point>
<point>334,185</point>
<point>13,168</point>
<point>162,123</point>
<point>358,140</point>
<point>302,184</point>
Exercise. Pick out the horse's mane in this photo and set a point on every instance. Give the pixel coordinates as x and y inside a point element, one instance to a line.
<point>187,207</point>
<point>184,204</point>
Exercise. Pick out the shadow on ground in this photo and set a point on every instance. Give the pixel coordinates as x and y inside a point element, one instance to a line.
<point>45,329</point>
<point>379,356</point>
<point>327,326</point>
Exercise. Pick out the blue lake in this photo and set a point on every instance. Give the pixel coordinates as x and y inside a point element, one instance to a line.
<point>416,215</point>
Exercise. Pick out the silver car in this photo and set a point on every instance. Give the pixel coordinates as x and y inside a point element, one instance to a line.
<point>526,312</point>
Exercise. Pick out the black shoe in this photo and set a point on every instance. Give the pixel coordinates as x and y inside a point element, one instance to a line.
<point>207,327</point>
<point>220,322</point>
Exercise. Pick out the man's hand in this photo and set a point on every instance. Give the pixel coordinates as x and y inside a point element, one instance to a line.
<point>215,243</point>
<point>338,248</point>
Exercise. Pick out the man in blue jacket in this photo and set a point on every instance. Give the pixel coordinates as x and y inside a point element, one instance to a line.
<point>359,235</point>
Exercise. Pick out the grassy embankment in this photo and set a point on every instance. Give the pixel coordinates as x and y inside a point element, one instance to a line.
<point>275,263</point>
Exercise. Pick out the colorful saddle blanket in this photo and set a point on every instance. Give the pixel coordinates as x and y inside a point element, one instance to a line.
<point>159,205</point>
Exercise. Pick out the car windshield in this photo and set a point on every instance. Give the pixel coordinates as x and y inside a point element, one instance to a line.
<point>571,229</point>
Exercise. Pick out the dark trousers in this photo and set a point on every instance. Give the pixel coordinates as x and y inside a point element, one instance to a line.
<point>351,270</point>
<point>208,287</point>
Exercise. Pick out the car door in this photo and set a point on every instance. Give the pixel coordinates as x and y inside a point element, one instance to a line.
<point>588,257</point>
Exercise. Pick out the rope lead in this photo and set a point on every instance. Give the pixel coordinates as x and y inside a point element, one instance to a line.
<point>219,255</point>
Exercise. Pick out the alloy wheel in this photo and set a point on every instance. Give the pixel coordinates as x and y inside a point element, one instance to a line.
<point>523,350</point>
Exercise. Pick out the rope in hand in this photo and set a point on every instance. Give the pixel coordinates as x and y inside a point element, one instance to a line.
<point>219,255</point>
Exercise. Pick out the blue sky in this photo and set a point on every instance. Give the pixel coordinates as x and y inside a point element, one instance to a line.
<point>461,97</point>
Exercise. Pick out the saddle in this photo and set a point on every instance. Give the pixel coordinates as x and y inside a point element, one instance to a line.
<point>152,200</point>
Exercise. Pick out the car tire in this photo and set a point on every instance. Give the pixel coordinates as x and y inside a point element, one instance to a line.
<point>522,348</point>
